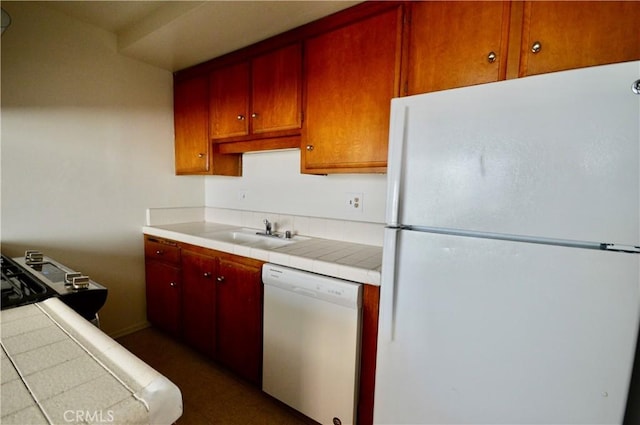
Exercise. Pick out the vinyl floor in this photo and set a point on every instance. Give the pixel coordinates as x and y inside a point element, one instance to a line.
<point>210,394</point>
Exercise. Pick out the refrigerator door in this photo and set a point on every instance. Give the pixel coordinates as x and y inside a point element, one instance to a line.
<point>553,156</point>
<point>500,332</point>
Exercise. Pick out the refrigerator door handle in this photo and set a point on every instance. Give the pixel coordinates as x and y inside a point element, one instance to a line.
<point>631,249</point>
<point>397,141</point>
<point>386,329</point>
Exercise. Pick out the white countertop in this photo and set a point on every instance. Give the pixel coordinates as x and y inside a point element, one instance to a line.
<point>345,260</point>
<point>58,368</point>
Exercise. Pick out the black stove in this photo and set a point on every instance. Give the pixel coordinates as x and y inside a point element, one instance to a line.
<point>34,278</point>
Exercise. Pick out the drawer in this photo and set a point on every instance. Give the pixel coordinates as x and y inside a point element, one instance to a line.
<point>161,250</point>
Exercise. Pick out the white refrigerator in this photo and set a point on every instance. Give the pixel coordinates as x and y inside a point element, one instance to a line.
<point>510,288</point>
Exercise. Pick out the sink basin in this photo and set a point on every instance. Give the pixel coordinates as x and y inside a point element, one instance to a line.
<point>251,237</point>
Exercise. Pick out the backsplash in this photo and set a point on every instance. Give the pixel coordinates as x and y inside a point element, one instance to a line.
<point>340,230</point>
<point>272,182</point>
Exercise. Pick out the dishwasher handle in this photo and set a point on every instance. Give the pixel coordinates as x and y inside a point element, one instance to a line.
<point>303,291</point>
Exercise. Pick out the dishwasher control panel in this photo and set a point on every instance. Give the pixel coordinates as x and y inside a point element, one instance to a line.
<point>331,289</point>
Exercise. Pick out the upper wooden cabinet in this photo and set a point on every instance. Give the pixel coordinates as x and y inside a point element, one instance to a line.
<point>276,91</point>
<point>190,112</point>
<point>257,98</point>
<point>352,73</point>
<point>456,44</point>
<point>349,65</point>
<point>194,153</point>
<point>229,97</point>
<point>560,35</point>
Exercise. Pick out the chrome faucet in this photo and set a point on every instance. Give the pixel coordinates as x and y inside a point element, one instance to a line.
<point>267,227</point>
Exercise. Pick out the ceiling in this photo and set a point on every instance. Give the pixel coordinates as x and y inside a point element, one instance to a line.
<point>174,35</point>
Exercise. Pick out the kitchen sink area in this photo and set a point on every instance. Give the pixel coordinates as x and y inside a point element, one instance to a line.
<point>305,248</point>
<point>254,238</point>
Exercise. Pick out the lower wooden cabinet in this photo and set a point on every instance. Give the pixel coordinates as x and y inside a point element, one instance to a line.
<point>199,301</point>
<point>239,319</point>
<point>211,300</point>
<point>163,296</point>
<point>164,284</point>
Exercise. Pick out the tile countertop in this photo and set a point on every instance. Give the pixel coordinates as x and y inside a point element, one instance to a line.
<point>56,364</point>
<point>344,260</point>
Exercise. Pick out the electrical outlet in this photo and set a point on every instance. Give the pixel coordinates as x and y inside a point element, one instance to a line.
<point>354,202</point>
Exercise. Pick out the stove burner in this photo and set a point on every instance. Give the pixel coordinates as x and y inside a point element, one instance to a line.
<point>18,287</point>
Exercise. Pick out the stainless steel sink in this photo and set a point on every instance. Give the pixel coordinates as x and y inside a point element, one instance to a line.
<point>253,238</point>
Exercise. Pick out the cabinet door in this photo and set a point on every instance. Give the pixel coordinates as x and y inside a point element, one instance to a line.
<point>198,301</point>
<point>351,75</point>
<point>191,120</point>
<point>239,319</point>
<point>229,101</point>
<point>574,34</point>
<point>456,44</point>
<point>276,90</point>
<point>163,296</point>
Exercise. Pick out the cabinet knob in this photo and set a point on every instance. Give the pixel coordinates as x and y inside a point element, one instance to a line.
<point>173,284</point>
<point>536,47</point>
<point>635,87</point>
<point>254,115</point>
<point>206,274</point>
<point>309,148</point>
<point>200,155</point>
<point>491,57</point>
<point>240,117</point>
<point>159,252</point>
<point>220,279</point>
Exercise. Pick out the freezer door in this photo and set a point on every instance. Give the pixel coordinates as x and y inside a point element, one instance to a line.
<point>499,332</point>
<point>554,155</point>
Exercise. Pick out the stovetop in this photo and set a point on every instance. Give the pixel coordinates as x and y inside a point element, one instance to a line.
<point>19,287</point>
<point>34,278</point>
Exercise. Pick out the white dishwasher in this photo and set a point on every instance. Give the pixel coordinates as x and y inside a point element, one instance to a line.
<point>311,358</point>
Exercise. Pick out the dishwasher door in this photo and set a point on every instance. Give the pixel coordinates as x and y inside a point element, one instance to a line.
<point>311,357</point>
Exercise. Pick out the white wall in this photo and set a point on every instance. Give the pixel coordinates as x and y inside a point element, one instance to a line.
<point>87,146</point>
<point>271,182</point>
